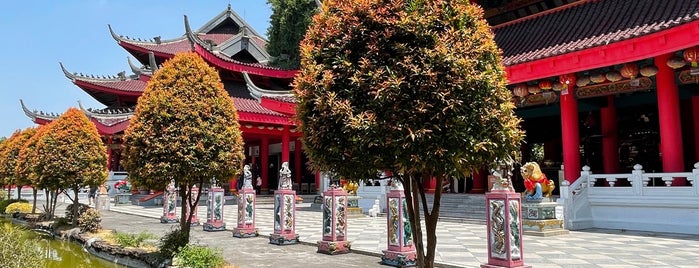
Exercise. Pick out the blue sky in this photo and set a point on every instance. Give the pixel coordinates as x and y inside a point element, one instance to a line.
<point>37,35</point>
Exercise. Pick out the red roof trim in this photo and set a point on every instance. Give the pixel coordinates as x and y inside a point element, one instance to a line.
<point>278,106</point>
<point>235,67</point>
<point>113,129</point>
<point>659,43</point>
<point>245,117</point>
<point>86,84</point>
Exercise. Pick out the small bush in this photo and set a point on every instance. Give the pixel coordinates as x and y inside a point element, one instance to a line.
<point>90,221</point>
<point>171,242</point>
<point>198,257</point>
<point>5,203</point>
<point>18,207</point>
<point>17,250</point>
<point>81,209</point>
<point>132,240</point>
<point>60,222</point>
<point>3,194</point>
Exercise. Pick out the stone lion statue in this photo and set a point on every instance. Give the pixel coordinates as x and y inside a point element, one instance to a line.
<point>536,184</point>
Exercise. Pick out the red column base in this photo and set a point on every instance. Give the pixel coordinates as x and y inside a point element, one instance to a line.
<point>334,247</point>
<point>497,266</point>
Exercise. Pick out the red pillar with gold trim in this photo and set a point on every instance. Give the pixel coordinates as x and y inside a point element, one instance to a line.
<point>569,129</point>
<point>264,164</point>
<point>669,118</point>
<point>610,138</point>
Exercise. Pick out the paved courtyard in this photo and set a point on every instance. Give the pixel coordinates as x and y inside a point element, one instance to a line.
<point>459,244</point>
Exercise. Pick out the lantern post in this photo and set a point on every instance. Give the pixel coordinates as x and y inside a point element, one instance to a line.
<point>284,210</point>
<point>214,210</point>
<point>401,250</point>
<point>246,207</point>
<point>170,204</point>
<point>334,222</point>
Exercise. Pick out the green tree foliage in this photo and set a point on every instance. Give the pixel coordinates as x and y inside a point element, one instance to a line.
<point>9,161</point>
<point>17,250</point>
<point>412,86</point>
<point>288,24</point>
<point>73,154</point>
<point>185,128</point>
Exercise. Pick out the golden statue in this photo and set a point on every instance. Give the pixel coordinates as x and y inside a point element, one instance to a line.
<point>350,187</point>
<point>538,186</point>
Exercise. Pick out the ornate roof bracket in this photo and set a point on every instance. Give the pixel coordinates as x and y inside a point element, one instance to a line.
<point>152,62</point>
<point>135,69</point>
<point>193,38</point>
<point>257,92</point>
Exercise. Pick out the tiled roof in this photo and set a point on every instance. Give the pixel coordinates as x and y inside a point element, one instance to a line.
<point>181,44</point>
<point>131,85</point>
<point>285,98</point>
<point>588,24</point>
<point>252,106</point>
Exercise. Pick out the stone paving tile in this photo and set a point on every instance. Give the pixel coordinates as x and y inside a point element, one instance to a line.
<point>588,248</point>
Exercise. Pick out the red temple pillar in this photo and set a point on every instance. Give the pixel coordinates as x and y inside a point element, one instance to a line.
<point>610,138</point>
<point>285,144</point>
<point>109,153</point>
<point>264,163</point>
<point>669,118</point>
<point>480,182</point>
<point>317,189</point>
<point>695,121</point>
<point>430,185</point>
<point>570,129</point>
<point>297,162</point>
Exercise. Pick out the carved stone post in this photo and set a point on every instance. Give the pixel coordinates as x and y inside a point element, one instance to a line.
<point>504,222</point>
<point>284,210</point>
<point>214,210</point>
<point>192,198</point>
<point>246,214</point>
<point>170,204</point>
<point>334,222</point>
<point>401,250</point>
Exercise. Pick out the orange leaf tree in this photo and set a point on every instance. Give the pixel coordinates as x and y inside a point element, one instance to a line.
<point>185,129</point>
<point>11,154</point>
<point>26,164</point>
<point>73,155</point>
<point>412,86</point>
<point>5,179</point>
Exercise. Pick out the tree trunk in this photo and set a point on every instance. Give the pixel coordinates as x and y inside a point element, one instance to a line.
<point>185,222</point>
<point>34,203</point>
<point>19,192</point>
<point>410,188</point>
<point>431,221</point>
<point>75,206</point>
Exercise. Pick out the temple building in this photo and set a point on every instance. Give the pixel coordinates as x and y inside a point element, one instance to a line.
<point>601,83</point>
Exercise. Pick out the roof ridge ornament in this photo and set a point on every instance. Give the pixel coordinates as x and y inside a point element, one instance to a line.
<point>151,61</point>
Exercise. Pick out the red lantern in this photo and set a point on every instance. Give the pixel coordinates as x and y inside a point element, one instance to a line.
<point>545,84</point>
<point>692,55</point>
<point>567,79</point>
<point>629,70</point>
<point>521,90</point>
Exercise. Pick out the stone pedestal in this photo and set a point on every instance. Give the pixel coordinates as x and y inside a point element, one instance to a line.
<point>284,218</point>
<point>540,219</point>
<point>401,250</point>
<point>246,214</point>
<point>169,205</point>
<point>192,199</point>
<point>214,211</point>
<point>503,217</point>
<point>122,198</point>
<point>334,222</point>
<point>102,202</point>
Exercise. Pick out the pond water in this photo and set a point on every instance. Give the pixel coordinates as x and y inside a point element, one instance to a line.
<point>60,253</point>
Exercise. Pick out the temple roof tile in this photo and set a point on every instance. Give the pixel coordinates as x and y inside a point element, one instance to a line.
<point>587,24</point>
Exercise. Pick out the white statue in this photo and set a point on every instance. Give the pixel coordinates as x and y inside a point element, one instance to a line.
<point>247,177</point>
<point>284,177</point>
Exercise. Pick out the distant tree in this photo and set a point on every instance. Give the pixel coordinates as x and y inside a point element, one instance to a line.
<point>73,153</point>
<point>288,24</point>
<point>10,154</point>
<point>412,86</point>
<point>25,167</point>
<point>185,129</point>
<point>5,177</point>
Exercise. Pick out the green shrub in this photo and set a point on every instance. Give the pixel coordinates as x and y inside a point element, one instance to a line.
<point>5,203</point>
<point>59,222</point>
<point>17,251</point>
<point>3,194</point>
<point>198,257</point>
<point>81,209</point>
<point>19,207</point>
<point>132,240</point>
<point>171,242</point>
<point>90,221</point>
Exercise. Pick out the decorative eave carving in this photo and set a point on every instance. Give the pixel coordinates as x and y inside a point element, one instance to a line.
<point>544,98</point>
<point>612,88</point>
<point>257,92</point>
<point>138,41</point>
<point>34,114</point>
<point>686,77</point>
<point>121,76</point>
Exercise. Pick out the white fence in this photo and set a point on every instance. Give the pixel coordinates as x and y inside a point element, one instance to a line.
<point>27,194</point>
<point>647,203</point>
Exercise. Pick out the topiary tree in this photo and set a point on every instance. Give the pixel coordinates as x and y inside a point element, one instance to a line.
<point>185,128</point>
<point>412,86</point>
<point>288,23</point>
<point>73,155</point>
<point>28,164</point>
<point>10,156</point>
